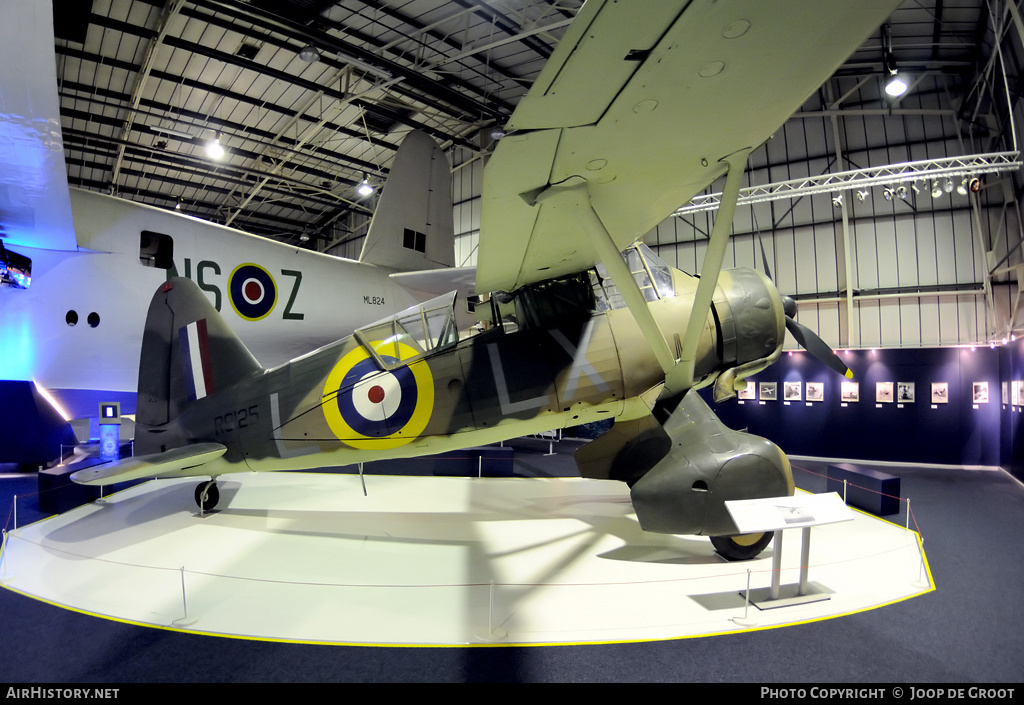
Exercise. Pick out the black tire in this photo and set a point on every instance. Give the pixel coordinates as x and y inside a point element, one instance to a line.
<point>742,547</point>
<point>212,495</point>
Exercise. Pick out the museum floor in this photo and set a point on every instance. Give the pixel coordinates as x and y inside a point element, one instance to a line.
<point>967,630</point>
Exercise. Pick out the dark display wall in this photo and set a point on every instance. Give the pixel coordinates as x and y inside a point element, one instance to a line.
<point>960,431</point>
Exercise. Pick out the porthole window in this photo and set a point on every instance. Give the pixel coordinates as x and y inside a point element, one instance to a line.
<point>71,318</point>
<point>93,319</point>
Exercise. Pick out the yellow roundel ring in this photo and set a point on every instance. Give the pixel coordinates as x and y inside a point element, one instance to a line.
<point>252,291</point>
<point>370,409</point>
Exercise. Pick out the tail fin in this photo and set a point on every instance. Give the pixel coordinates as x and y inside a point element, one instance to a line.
<point>188,353</point>
<point>413,228</point>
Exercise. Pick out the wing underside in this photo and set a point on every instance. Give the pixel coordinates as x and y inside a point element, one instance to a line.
<point>642,102</point>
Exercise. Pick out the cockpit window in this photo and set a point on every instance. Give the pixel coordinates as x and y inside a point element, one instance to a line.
<point>650,273</point>
<point>413,333</point>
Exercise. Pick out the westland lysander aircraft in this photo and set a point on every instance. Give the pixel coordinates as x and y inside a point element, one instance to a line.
<point>72,323</point>
<point>603,147</point>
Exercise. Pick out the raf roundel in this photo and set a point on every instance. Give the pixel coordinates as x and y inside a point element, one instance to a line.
<point>252,291</point>
<point>369,408</point>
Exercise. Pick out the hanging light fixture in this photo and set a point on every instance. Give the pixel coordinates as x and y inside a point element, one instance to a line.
<point>364,188</point>
<point>936,190</point>
<point>895,85</point>
<point>214,149</point>
<point>962,188</point>
<point>309,54</point>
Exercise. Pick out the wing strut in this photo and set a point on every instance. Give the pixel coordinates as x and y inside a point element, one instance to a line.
<point>575,194</point>
<point>680,378</point>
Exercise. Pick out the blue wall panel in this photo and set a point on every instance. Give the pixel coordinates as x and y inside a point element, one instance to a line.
<point>959,432</point>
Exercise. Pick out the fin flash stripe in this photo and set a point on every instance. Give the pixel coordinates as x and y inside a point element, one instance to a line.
<point>195,359</point>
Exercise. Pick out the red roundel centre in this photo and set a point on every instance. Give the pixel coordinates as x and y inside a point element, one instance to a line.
<point>376,394</point>
<point>253,290</point>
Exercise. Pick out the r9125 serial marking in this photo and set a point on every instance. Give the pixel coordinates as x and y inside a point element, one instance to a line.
<point>234,420</point>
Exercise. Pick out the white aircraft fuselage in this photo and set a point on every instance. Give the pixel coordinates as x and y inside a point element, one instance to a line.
<point>76,330</point>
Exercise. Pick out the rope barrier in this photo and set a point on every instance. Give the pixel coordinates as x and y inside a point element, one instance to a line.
<point>910,513</point>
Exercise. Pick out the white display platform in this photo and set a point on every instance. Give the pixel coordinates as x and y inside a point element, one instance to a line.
<point>424,560</point>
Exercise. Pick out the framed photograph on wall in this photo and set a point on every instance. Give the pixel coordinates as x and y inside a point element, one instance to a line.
<point>815,391</point>
<point>791,391</point>
<point>1006,393</point>
<point>980,392</point>
<point>883,392</point>
<point>768,391</point>
<point>940,392</point>
<point>850,392</point>
<point>748,392</point>
<point>1018,391</point>
<point>905,392</point>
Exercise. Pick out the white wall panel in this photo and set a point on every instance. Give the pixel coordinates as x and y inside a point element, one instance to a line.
<point>910,323</point>
<point>929,317</point>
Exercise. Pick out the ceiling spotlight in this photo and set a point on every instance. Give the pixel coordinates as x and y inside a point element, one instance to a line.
<point>837,201</point>
<point>974,185</point>
<point>962,188</point>
<point>913,185</point>
<point>309,54</point>
<point>364,188</point>
<point>896,86</point>
<point>304,237</point>
<point>861,195</point>
<point>936,190</point>
<point>949,185</point>
<point>887,193</point>
<point>177,206</point>
<point>901,192</point>
<point>214,149</point>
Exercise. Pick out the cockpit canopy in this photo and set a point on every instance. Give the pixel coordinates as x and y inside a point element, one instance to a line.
<point>439,323</point>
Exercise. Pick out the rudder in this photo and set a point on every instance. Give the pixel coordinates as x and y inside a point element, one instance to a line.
<point>188,354</point>
<point>413,227</point>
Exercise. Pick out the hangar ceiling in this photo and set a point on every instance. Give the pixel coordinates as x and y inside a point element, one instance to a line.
<point>144,84</point>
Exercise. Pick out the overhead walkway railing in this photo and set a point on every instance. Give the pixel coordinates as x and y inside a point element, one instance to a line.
<point>921,173</point>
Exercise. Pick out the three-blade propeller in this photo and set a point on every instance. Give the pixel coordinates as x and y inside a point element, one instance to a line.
<point>807,338</point>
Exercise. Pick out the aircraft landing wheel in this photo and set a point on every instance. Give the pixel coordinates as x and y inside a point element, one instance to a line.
<point>207,495</point>
<point>742,547</point>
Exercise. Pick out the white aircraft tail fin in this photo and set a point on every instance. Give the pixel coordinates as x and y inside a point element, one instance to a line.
<point>412,227</point>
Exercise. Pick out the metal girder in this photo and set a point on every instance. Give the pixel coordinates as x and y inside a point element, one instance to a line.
<point>907,172</point>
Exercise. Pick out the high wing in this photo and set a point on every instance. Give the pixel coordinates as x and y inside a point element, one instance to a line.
<point>641,104</point>
<point>35,207</point>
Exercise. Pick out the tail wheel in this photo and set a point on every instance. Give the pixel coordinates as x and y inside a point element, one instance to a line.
<point>741,547</point>
<point>207,495</point>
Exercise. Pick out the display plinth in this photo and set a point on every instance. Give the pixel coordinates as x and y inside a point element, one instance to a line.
<point>777,514</point>
<point>789,595</point>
